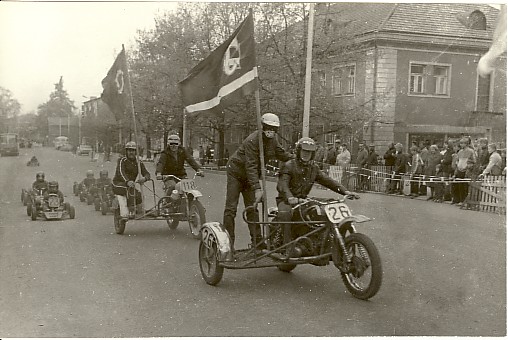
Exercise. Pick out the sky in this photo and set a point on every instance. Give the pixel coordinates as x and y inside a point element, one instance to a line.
<point>41,41</point>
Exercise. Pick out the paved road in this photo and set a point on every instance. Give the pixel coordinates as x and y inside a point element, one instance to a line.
<point>444,272</point>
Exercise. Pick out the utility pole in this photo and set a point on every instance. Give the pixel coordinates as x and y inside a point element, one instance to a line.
<point>308,73</point>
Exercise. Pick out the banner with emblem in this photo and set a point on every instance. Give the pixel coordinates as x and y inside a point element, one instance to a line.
<point>226,75</point>
<point>115,87</point>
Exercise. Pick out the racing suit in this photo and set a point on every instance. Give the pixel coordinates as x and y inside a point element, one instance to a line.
<point>243,175</point>
<point>169,165</point>
<point>127,170</point>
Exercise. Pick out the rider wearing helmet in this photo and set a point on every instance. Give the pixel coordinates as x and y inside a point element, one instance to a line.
<point>126,174</point>
<point>40,182</point>
<point>297,177</point>
<point>102,182</point>
<point>89,180</point>
<point>244,172</point>
<point>172,161</point>
<point>53,189</point>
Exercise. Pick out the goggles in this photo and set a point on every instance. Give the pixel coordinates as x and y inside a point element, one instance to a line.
<point>174,144</point>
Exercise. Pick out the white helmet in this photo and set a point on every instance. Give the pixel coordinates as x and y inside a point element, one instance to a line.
<point>173,139</point>
<point>270,119</point>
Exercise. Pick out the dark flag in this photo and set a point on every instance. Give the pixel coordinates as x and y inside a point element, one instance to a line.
<point>115,92</point>
<point>226,75</point>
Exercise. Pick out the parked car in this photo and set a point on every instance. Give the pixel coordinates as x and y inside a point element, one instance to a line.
<point>66,147</point>
<point>84,149</point>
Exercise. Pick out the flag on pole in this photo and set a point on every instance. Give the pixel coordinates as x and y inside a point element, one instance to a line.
<point>226,75</point>
<point>115,92</point>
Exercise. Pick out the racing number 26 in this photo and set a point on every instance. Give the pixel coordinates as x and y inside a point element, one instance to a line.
<point>337,212</point>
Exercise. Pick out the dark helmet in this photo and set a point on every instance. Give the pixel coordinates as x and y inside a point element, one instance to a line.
<point>40,176</point>
<point>103,173</point>
<point>89,174</point>
<point>53,186</point>
<point>307,144</point>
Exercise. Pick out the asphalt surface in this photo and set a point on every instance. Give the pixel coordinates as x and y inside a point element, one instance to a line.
<point>444,271</point>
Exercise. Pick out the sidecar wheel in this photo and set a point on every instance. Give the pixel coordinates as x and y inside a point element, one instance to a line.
<point>211,271</point>
<point>286,267</point>
<point>72,212</point>
<point>104,208</point>
<point>365,275</point>
<point>119,222</point>
<point>33,213</point>
<point>97,204</point>
<point>172,222</point>
<point>196,218</point>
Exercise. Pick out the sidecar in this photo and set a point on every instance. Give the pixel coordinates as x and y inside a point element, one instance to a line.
<point>324,232</point>
<point>52,209</point>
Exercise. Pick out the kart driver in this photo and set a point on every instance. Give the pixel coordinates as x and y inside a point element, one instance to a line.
<point>172,162</point>
<point>125,175</point>
<point>40,182</point>
<point>297,177</point>
<point>244,172</point>
<point>89,180</point>
<point>53,189</point>
<point>103,182</point>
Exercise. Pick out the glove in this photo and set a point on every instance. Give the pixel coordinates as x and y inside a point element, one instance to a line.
<point>259,195</point>
<point>130,184</point>
<point>293,200</point>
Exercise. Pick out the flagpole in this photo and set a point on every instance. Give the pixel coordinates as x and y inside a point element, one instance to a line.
<point>135,132</point>
<point>308,73</point>
<point>184,137</point>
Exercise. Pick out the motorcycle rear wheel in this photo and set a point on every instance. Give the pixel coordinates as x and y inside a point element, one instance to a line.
<point>363,280</point>
<point>119,222</point>
<point>211,271</point>
<point>196,218</point>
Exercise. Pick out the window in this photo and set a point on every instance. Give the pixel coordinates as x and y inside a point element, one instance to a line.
<point>319,83</point>
<point>429,79</point>
<point>343,80</point>
<point>483,94</point>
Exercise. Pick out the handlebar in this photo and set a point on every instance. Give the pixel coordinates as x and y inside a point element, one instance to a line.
<point>177,179</point>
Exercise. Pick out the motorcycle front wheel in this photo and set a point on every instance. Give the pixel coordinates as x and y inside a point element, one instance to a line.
<point>365,274</point>
<point>209,263</point>
<point>196,218</point>
<point>119,222</point>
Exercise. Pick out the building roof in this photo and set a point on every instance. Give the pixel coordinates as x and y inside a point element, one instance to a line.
<point>445,19</point>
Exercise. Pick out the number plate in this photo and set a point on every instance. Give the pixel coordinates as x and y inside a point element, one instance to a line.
<point>336,212</point>
<point>53,214</point>
<point>188,184</point>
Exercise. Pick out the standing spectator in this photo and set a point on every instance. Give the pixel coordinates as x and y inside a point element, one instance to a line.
<point>465,163</point>
<point>446,168</point>
<point>320,155</point>
<point>208,154</point>
<point>495,166</point>
<point>424,152</point>
<point>433,159</point>
<point>343,160</point>
<point>389,155</point>
<point>332,152</point>
<point>201,155</point>
<point>400,168</point>
<point>483,155</point>
<point>371,161</point>
<point>416,170</point>
<point>361,163</point>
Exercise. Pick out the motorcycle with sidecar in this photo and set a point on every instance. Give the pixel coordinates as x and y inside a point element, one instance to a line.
<point>322,231</point>
<point>181,204</point>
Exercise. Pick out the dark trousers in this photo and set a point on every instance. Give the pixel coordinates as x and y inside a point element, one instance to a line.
<point>396,184</point>
<point>234,188</point>
<point>459,190</point>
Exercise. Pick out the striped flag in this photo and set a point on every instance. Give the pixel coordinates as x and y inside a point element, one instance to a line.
<point>226,75</point>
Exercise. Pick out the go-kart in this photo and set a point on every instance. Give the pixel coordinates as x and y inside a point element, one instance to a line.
<point>32,198</point>
<point>52,209</point>
<point>84,192</point>
<point>185,206</point>
<point>104,198</point>
<point>322,231</point>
